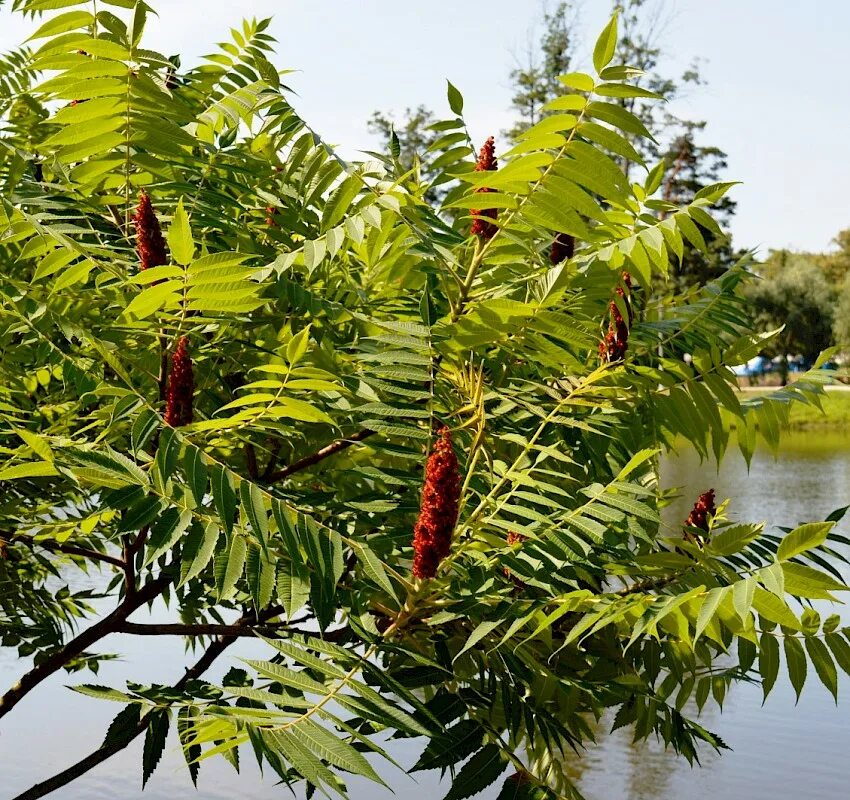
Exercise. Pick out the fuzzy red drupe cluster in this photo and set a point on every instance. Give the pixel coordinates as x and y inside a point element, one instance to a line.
<point>432,536</point>
<point>150,244</point>
<point>181,387</point>
<point>562,249</point>
<point>703,509</point>
<point>613,347</point>
<point>481,228</point>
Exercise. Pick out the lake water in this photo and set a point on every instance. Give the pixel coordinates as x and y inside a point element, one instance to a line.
<point>779,750</point>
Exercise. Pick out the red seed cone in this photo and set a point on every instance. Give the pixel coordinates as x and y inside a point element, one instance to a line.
<point>149,242</point>
<point>563,247</point>
<point>703,509</point>
<point>181,387</point>
<point>486,162</point>
<point>432,535</point>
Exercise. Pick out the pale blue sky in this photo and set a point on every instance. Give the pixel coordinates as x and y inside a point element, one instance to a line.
<point>776,98</point>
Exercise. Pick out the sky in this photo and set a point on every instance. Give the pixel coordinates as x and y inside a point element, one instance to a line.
<point>775,100</point>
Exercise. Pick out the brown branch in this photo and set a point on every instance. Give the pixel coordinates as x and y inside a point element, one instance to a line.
<point>59,547</point>
<point>240,628</point>
<point>109,749</point>
<point>197,629</point>
<point>320,455</point>
<point>251,462</point>
<point>139,543</point>
<point>129,565</point>
<point>79,644</point>
<point>272,463</point>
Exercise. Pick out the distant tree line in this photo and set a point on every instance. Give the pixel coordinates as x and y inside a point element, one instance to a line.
<point>808,294</point>
<point>534,81</point>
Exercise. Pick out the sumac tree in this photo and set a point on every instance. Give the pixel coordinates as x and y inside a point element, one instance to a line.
<point>229,361</point>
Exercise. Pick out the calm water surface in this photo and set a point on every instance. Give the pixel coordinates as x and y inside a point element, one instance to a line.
<point>779,750</point>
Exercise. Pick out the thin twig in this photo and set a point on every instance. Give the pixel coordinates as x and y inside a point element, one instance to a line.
<point>59,547</point>
<point>320,455</point>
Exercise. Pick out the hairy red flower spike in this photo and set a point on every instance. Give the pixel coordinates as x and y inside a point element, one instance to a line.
<point>149,242</point>
<point>703,509</point>
<point>616,342</point>
<point>563,248</point>
<point>486,162</point>
<point>181,387</point>
<point>432,535</point>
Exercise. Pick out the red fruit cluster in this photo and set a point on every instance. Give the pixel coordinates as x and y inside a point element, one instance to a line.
<point>270,215</point>
<point>149,242</point>
<point>481,228</point>
<point>703,509</point>
<point>613,347</point>
<point>562,248</point>
<point>181,387</point>
<point>432,535</point>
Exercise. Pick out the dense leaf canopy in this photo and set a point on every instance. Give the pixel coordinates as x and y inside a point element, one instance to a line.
<point>239,418</point>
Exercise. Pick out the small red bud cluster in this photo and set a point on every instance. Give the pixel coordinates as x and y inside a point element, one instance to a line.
<point>515,540</point>
<point>703,509</point>
<point>562,248</point>
<point>613,347</point>
<point>481,228</point>
<point>181,387</point>
<point>271,211</point>
<point>432,535</point>
<point>149,242</point>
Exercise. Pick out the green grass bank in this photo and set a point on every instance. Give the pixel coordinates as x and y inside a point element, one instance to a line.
<point>836,411</point>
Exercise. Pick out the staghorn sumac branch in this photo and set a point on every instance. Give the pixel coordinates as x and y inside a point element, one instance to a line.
<point>242,627</point>
<point>79,644</point>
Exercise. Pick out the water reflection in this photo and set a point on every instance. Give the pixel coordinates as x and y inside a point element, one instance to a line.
<point>779,751</point>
